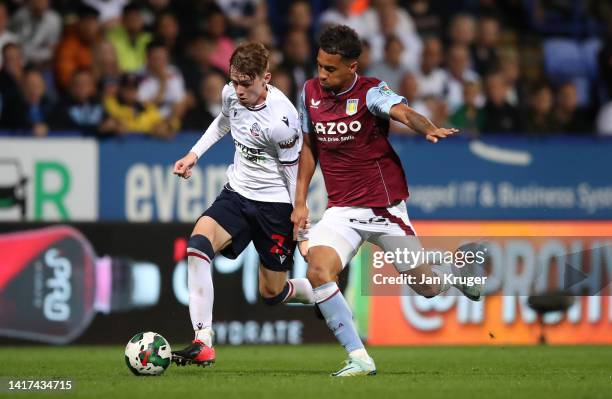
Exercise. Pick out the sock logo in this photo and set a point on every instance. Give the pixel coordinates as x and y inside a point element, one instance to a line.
<point>200,325</point>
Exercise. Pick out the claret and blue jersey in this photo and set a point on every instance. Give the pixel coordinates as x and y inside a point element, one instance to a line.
<point>350,130</point>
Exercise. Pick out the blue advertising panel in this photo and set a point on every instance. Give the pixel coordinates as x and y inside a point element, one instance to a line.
<point>492,179</point>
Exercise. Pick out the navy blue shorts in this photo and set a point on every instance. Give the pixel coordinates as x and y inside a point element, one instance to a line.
<point>267,224</point>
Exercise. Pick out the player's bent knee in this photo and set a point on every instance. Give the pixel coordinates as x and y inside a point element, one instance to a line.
<point>268,291</point>
<point>318,275</point>
<point>199,244</point>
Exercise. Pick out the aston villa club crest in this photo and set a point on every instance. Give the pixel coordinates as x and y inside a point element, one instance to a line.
<point>255,130</point>
<point>351,106</point>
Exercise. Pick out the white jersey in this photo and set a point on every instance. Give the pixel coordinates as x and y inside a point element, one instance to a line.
<point>266,138</point>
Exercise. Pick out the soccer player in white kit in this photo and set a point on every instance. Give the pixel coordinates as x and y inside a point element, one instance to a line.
<point>256,203</point>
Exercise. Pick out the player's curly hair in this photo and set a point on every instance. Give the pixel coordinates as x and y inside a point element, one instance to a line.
<point>250,59</point>
<point>342,40</point>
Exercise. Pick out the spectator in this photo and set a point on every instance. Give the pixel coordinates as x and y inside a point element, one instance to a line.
<point>75,51</point>
<point>300,18</point>
<point>128,115</point>
<point>540,120</point>
<point>243,14</point>
<point>340,14</point>
<point>438,110</point>
<point>130,40</point>
<point>167,31</point>
<point>457,74</point>
<point>568,117</point>
<point>196,64</point>
<point>365,59</point>
<point>208,104</point>
<point>33,107</point>
<point>283,81</point>
<point>81,110</point>
<point>387,19</point>
<point>427,20</point>
<point>390,68</point>
<point>163,85</point>
<point>6,36</point>
<point>109,11</point>
<point>409,89</point>
<point>469,118</point>
<point>38,28</point>
<point>432,78</point>
<point>153,10</point>
<point>297,58</point>
<point>106,68</point>
<point>500,115</point>
<point>484,53</point>
<point>462,30</point>
<point>604,120</point>
<point>605,59</point>
<point>511,71</point>
<point>262,33</point>
<point>216,27</point>
<point>11,78</point>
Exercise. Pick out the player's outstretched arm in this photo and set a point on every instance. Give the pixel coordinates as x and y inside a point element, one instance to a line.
<point>306,169</point>
<point>217,129</point>
<point>419,123</point>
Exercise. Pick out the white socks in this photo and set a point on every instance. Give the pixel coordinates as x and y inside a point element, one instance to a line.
<point>301,291</point>
<point>201,292</point>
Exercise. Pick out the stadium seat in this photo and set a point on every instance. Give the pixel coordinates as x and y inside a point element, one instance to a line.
<point>564,60</point>
<point>583,88</point>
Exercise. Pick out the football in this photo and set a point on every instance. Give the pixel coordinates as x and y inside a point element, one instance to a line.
<point>148,353</point>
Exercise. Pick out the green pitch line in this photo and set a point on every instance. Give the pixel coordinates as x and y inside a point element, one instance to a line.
<point>302,372</point>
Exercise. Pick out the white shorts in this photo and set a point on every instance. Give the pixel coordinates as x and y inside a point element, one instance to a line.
<point>345,228</point>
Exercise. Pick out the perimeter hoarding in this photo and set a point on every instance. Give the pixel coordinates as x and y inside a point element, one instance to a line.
<point>503,316</point>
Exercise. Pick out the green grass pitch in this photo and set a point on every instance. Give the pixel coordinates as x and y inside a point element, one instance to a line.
<point>302,372</point>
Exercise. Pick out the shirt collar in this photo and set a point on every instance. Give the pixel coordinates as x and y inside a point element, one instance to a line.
<point>350,88</point>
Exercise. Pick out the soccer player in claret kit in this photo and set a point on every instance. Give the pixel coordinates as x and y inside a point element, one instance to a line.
<point>255,204</point>
<point>345,121</point>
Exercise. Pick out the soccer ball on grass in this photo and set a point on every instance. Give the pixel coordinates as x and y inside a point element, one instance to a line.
<point>148,353</point>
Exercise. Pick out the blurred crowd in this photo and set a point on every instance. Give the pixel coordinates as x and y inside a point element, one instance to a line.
<point>157,67</point>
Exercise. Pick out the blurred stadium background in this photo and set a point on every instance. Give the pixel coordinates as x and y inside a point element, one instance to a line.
<point>99,98</point>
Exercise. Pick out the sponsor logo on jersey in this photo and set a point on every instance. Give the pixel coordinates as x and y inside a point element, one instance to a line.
<point>351,106</point>
<point>235,112</point>
<point>314,104</point>
<point>337,127</point>
<point>288,143</point>
<point>250,154</point>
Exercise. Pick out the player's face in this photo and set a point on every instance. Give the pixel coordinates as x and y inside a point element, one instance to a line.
<point>335,73</point>
<point>250,91</point>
